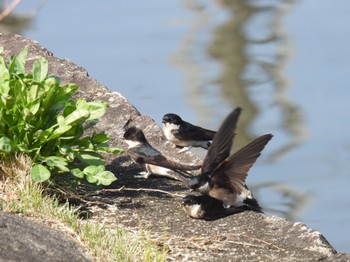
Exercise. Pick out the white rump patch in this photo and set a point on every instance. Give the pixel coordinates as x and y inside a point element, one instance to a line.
<point>132,144</point>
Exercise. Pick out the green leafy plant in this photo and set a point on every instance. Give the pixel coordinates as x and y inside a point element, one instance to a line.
<point>39,118</point>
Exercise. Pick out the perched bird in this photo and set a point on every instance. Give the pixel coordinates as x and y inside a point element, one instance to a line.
<point>208,208</point>
<point>222,176</point>
<point>152,161</point>
<point>184,134</point>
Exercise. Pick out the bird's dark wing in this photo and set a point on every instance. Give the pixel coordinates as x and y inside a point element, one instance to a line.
<point>222,143</point>
<point>233,171</point>
<point>154,157</point>
<point>189,132</point>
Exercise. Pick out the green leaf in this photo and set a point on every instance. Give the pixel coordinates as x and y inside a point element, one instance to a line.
<point>20,61</point>
<point>77,173</point>
<point>34,108</point>
<point>40,69</point>
<point>62,168</point>
<point>90,158</point>
<point>78,116</point>
<point>32,93</point>
<point>98,175</point>
<point>91,179</point>
<point>105,178</point>
<point>40,173</point>
<point>96,108</point>
<point>6,145</point>
<point>63,94</point>
<point>112,150</point>
<point>73,134</point>
<point>60,120</point>
<point>56,161</point>
<point>100,138</point>
<point>93,170</point>
<point>58,132</point>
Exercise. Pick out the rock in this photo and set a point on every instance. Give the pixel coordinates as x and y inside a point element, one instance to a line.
<point>24,240</point>
<point>246,236</point>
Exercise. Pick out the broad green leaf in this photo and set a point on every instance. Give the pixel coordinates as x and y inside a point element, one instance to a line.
<point>51,88</point>
<point>91,179</point>
<point>35,108</point>
<point>64,93</point>
<point>60,120</point>
<point>4,99</point>
<point>32,92</point>
<point>40,173</point>
<point>96,108</point>
<point>78,116</point>
<point>62,168</point>
<point>21,61</point>
<point>56,160</point>
<point>77,173</point>
<point>105,178</point>
<point>40,70</point>
<point>73,134</point>
<point>4,85</point>
<point>92,170</point>
<point>90,158</point>
<point>6,144</point>
<point>52,81</point>
<point>67,151</point>
<point>59,132</point>
<point>69,107</point>
<point>112,150</point>
<point>100,138</point>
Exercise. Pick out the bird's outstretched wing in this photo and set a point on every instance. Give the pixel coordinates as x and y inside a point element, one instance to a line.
<point>233,171</point>
<point>222,143</point>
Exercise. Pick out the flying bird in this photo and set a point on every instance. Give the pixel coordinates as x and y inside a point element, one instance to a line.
<point>152,161</point>
<point>184,134</point>
<point>223,176</point>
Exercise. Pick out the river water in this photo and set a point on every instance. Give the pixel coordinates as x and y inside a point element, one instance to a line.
<point>286,63</point>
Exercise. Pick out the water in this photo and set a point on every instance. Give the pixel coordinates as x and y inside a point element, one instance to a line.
<point>285,62</point>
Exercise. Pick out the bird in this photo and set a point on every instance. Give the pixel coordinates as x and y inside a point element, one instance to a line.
<point>184,134</point>
<point>223,175</point>
<point>153,161</point>
<point>208,208</point>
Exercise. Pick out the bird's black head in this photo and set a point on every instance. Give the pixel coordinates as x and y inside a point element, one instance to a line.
<point>191,200</point>
<point>203,200</point>
<point>172,119</point>
<point>196,182</point>
<point>134,134</point>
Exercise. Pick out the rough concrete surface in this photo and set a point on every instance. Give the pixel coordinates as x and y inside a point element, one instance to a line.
<point>247,236</point>
<point>25,240</point>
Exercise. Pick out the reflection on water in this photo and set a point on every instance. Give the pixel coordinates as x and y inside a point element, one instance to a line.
<point>294,201</point>
<point>13,22</point>
<point>193,71</point>
<point>251,48</point>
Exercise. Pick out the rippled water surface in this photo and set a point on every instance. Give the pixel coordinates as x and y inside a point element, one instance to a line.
<point>286,63</point>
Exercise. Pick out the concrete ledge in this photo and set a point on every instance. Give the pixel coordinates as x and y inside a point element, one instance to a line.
<point>246,236</point>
